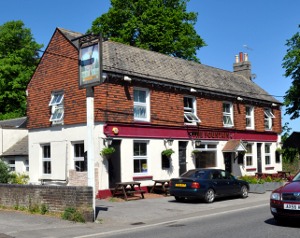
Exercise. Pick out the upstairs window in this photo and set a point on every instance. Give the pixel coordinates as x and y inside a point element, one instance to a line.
<point>141,104</point>
<point>190,115</point>
<point>227,114</point>
<point>268,119</point>
<point>249,117</point>
<point>57,108</point>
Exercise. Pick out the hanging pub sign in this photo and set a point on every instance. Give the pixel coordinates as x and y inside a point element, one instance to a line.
<point>90,61</point>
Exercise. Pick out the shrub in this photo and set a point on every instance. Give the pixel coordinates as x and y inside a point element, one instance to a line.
<point>17,178</point>
<point>71,214</point>
<point>4,172</point>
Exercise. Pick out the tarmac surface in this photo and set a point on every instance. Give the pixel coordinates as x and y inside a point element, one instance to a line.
<point>116,214</point>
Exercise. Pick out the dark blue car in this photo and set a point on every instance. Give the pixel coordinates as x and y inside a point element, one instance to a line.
<point>207,184</point>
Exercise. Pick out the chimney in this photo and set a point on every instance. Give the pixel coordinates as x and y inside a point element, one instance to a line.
<point>242,66</point>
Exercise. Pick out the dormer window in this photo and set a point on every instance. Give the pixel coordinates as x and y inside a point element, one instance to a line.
<point>57,108</point>
<point>190,115</point>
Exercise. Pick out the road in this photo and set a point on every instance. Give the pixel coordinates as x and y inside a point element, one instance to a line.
<point>252,222</point>
<point>160,218</point>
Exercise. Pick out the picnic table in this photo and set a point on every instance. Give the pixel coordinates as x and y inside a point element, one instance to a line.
<point>161,184</point>
<point>284,174</point>
<point>126,189</point>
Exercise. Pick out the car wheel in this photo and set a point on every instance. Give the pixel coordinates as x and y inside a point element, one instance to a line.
<point>179,199</point>
<point>244,191</point>
<point>209,196</point>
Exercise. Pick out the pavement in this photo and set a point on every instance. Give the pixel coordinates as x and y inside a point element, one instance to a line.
<point>115,214</point>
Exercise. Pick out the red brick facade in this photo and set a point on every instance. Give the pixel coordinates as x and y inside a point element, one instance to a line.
<point>58,70</point>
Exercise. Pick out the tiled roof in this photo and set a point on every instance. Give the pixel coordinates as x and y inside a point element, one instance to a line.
<point>20,148</point>
<point>145,64</point>
<point>14,123</point>
<point>233,146</point>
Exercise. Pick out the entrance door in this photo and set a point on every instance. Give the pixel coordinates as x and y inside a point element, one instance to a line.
<point>182,157</point>
<point>259,170</point>
<point>114,165</point>
<point>228,162</point>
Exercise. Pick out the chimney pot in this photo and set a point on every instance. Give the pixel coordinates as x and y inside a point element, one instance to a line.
<point>241,57</point>
<point>236,58</point>
<point>245,56</point>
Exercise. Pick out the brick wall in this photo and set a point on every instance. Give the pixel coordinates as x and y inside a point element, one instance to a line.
<point>57,198</point>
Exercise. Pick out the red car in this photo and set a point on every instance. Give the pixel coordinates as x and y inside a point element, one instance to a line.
<point>285,201</point>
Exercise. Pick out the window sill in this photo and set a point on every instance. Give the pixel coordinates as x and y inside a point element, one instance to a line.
<point>251,169</point>
<point>269,168</point>
<point>146,177</point>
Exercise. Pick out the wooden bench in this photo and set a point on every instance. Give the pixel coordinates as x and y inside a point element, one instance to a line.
<point>128,188</point>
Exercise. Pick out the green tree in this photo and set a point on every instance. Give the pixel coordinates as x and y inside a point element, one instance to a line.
<point>4,172</point>
<point>291,64</point>
<point>19,57</point>
<point>163,26</point>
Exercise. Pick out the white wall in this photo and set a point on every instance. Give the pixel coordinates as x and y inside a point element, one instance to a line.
<point>60,140</point>
<point>8,137</point>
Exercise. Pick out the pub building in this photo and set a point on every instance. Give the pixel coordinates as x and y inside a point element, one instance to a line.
<point>144,105</point>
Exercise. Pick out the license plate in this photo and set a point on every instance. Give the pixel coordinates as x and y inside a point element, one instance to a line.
<point>291,206</point>
<point>180,185</point>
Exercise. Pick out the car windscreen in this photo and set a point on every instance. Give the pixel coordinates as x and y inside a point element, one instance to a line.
<point>297,177</point>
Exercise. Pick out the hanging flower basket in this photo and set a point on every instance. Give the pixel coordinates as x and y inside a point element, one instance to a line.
<point>167,152</point>
<point>107,151</point>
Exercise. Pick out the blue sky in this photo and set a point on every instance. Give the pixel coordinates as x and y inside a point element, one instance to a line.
<point>258,27</point>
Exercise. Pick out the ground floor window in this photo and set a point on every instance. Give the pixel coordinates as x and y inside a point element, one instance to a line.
<point>165,162</point>
<point>206,159</point>
<point>249,155</point>
<point>267,154</point>
<point>46,159</point>
<point>80,159</point>
<point>12,165</point>
<point>140,159</point>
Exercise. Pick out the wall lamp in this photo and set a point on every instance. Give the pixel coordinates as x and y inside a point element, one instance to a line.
<point>169,141</point>
<point>127,78</point>
<point>239,99</point>
<point>274,104</point>
<point>108,141</point>
<point>193,90</point>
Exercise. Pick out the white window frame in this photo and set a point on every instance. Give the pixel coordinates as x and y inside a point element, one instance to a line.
<point>268,119</point>
<point>268,154</point>
<point>190,112</point>
<point>250,117</point>
<point>206,147</point>
<point>249,154</point>
<point>79,158</point>
<point>228,115</point>
<point>145,105</point>
<point>141,157</point>
<point>46,159</point>
<point>57,108</point>
<point>12,165</point>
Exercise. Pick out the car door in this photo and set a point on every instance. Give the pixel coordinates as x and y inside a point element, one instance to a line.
<point>230,183</point>
<point>218,183</point>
